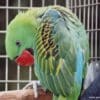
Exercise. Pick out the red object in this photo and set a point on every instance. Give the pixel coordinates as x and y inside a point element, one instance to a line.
<point>25,59</point>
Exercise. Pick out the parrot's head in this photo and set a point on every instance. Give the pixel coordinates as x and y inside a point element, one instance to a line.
<point>20,35</point>
<point>19,39</point>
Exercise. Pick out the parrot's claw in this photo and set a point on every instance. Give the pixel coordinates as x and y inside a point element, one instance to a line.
<point>34,85</point>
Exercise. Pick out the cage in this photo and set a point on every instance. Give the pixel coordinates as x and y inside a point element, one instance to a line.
<point>13,77</point>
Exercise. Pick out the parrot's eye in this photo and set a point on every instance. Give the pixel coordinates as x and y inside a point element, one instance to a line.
<point>18,43</point>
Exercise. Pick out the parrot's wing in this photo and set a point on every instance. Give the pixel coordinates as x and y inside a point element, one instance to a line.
<point>72,39</point>
<point>63,40</point>
<point>68,35</point>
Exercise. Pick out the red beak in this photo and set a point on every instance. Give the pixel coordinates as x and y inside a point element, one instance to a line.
<point>25,59</point>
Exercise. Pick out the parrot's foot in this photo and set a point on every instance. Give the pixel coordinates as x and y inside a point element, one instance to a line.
<point>33,85</point>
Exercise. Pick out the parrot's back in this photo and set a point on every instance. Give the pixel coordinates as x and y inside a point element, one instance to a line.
<point>61,52</point>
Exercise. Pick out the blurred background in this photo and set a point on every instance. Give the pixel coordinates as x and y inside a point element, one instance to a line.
<point>88,11</point>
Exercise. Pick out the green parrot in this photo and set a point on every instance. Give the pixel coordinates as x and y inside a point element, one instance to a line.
<point>54,40</point>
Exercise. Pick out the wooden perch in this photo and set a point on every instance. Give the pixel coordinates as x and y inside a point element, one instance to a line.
<point>24,95</point>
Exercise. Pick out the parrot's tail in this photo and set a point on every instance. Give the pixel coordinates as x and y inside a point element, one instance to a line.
<point>59,98</point>
<point>65,98</point>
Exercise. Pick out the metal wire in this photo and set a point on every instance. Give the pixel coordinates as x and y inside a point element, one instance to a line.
<point>55,2</point>
<point>96,25</point>
<point>67,3</point>
<point>87,5</point>
<point>6,72</point>
<point>88,9</point>
<point>84,13</point>
<point>92,12</point>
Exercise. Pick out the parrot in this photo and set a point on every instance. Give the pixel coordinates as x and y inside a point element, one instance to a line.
<point>55,41</point>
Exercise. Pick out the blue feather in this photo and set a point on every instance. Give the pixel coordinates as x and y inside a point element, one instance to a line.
<point>79,66</point>
<point>52,14</point>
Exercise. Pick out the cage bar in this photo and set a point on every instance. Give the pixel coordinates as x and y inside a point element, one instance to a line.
<point>6,71</point>
<point>96,25</point>
<point>43,3</point>
<point>67,3</point>
<point>31,2</point>
<point>55,2</point>
<point>84,12</point>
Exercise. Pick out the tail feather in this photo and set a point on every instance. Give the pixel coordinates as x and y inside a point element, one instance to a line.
<point>59,98</point>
